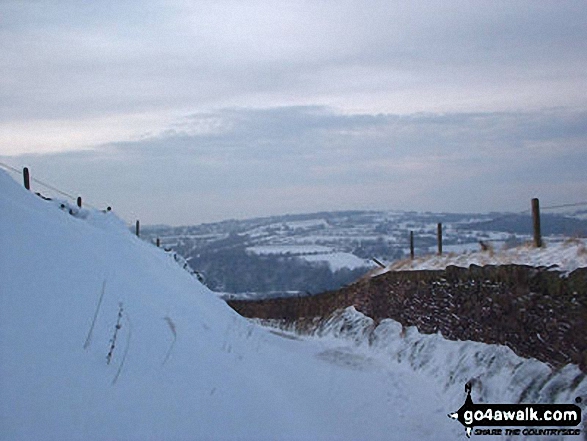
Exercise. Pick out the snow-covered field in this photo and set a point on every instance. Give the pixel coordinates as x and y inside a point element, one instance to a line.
<point>105,337</point>
<point>336,260</point>
<point>294,250</point>
<point>339,260</point>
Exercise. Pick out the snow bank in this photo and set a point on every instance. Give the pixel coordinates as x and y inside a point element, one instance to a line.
<point>496,373</point>
<point>65,278</point>
<point>183,366</point>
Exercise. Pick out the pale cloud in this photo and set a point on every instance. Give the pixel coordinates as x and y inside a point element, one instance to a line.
<point>65,63</point>
<point>251,162</point>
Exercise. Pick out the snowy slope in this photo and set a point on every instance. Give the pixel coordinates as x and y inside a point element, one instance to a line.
<point>184,365</point>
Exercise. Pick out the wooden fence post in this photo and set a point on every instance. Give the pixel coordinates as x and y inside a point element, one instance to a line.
<point>27,178</point>
<point>79,201</point>
<point>439,238</point>
<point>378,262</point>
<point>412,245</point>
<point>536,223</point>
<point>158,242</point>
<point>137,229</point>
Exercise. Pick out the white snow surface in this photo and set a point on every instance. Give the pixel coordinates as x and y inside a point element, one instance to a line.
<point>336,260</point>
<point>339,260</point>
<point>496,373</point>
<point>564,256</point>
<point>294,250</point>
<point>185,366</point>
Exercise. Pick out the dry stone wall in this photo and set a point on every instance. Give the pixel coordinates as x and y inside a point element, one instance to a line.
<point>537,312</point>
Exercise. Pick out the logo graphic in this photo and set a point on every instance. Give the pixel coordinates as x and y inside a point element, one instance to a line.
<point>471,415</point>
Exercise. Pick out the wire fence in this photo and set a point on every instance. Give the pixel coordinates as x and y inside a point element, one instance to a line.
<point>576,204</point>
<point>45,185</point>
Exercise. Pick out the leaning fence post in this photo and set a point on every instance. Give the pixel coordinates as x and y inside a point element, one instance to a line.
<point>439,238</point>
<point>137,229</point>
<point>412,245</point>
<point>27,178</point>
<point>536,223</point>
<point>378,262</point>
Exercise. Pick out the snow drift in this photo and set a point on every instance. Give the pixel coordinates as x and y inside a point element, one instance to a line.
<point>106,337</point>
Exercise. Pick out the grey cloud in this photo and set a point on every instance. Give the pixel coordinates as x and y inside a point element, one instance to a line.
<point>319,134</point>
<point>72,59</point>
<point>252,161</point>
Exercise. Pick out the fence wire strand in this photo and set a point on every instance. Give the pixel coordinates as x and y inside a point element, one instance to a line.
<point>8,167</point>
<point>576,204</point>
<point>44,184</point>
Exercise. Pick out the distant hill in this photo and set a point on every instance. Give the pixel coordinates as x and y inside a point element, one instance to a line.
<point>309,253</point>
<point>550,224</point>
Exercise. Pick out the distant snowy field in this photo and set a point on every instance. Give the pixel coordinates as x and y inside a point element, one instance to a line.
<point>105,337</point>
<point>294,250</point>
<point>339,260</point>
<point>314,253</point>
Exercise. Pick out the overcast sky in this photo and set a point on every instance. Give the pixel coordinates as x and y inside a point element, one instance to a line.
<point>187,112</point>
